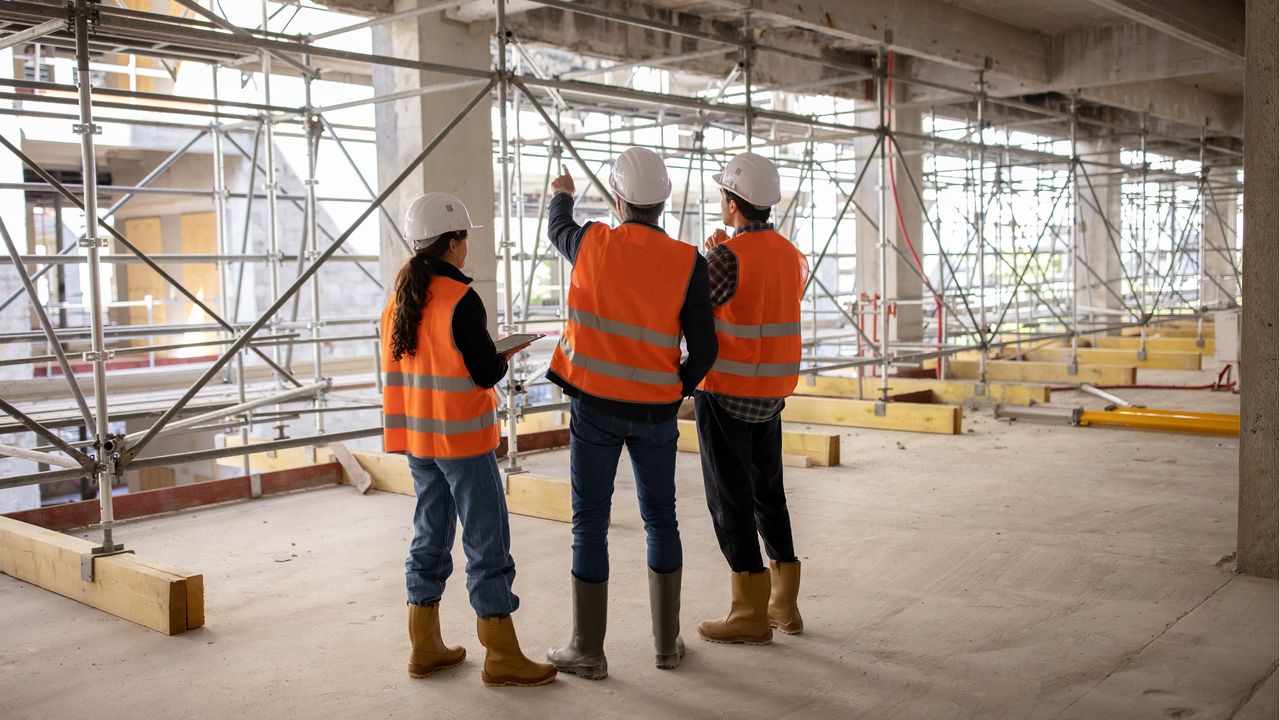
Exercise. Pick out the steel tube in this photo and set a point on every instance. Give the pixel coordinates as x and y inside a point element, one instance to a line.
<point>47,326</point>
<point>199,456</point>
<point>89,172</point>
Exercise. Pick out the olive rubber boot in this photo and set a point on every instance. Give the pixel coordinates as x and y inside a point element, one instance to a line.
<point>785,582</point>
<point>664,608</point>
<point>748,618</point>
<point>584,655</point>
<point>504,663</point>
<point>429,651</point>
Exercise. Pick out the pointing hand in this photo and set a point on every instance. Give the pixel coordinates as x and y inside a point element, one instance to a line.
<point>563,183</point>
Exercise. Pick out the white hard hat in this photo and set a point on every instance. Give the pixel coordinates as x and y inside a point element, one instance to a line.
<point>433,214</point>
<point>753,178</point>
<point>640,177</point>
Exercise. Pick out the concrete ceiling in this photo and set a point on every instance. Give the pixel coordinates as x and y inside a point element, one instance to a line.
<point>1181,61</point>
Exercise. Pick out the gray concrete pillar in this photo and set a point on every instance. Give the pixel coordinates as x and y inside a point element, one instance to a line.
<point>1256,537</point>
<point>905,287</point>
<point>1221,284</point>
<point>1099,272</point>
<point>463,163</point>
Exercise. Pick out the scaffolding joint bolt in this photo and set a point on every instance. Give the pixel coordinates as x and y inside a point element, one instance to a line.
<point>92,242</point>
<point>91,356</point>
<point>86,129</point>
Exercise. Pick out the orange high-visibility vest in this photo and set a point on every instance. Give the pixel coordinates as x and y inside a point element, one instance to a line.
<point>622,337</point>
<point>430,406</point>
<point>758,329</point>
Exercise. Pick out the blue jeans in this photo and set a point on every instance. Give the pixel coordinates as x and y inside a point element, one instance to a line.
<point>595,444</point>
<point>469,489</point>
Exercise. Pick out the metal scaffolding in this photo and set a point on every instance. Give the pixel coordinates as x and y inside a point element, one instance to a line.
<point>991,274</point>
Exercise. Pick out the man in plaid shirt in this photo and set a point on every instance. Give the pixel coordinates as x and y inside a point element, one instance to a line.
<point>757,281</point>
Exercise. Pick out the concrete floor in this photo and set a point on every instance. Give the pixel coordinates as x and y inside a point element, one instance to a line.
<point>1016,571</point>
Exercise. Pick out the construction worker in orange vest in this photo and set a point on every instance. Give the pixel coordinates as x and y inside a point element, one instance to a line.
<point>757,282</point>
<point>633,294</point>
<point>439,408</point>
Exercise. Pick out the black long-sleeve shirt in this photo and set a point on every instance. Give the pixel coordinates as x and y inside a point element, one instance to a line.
<point>471,332</point>
<point>696,321</point>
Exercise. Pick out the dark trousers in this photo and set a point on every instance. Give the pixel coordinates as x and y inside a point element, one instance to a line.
<point>596,438</point>
<point>742,472</point>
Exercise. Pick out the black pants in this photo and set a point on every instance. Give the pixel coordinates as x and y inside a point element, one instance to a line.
<point>742,472</point>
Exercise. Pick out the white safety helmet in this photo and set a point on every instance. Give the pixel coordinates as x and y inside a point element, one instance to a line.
<point>640,177</point>
<point>433,214</point>
<point>753,178</point>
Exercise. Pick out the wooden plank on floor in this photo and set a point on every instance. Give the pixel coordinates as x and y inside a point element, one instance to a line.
<point>946,391</point>
<point>1023,371</point>
<point>356,474</point>
<point>528,494</point>
<point>822,449</point>
<point>164,599</point>
<point>1156,343</point>
<point>1155,360</point>
<point>388,472</point>
<point>910,417</point>
<point>540,496</point>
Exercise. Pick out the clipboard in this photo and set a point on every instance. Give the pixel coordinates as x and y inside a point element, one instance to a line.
<point>518,341</point>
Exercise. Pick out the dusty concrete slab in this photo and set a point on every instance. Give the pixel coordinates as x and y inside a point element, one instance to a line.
<point>1015,571</point>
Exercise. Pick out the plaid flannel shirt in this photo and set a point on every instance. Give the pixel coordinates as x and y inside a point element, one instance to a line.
<point>722,268</point>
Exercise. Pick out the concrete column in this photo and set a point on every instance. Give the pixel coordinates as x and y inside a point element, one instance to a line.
<point>1256,538</point>
<point>1219,250</point>
<point>1099,274</point>
<point>463,163</point>
<point>905,286</point>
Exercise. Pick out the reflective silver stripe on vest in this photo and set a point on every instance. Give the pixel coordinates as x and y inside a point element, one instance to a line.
<point>415,381</point>
<point>755,332</point>
<point>734,367</point>
<point>440,427</point>
<point>614,370</point>
<point>626,330</point>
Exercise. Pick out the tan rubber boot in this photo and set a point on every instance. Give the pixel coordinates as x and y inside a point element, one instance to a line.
<point>504,663</point>
<point>748,619</point>
<point>785,583</point>
<point>429,651</point>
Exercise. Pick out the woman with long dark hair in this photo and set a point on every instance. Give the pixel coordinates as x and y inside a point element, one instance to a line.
<point>439,408</point>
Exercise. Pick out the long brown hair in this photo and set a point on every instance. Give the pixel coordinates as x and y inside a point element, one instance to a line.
<point>411,293</point>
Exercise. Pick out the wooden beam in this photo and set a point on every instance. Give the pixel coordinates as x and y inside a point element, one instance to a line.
<point>181,497</point>
<point>357,475</point>
<point>540,496</point>
<point>821,449</point>
<point>164,599</point>
<point>944,391</point>
<point>1156,343</point>
<point>528,493</point>
<point>1021,371</point>
<point>911,417</point>
<point>1104,356</point>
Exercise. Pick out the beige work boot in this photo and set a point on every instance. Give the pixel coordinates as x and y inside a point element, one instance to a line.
<point>748,618</point>
<point>785,588</point>
<point>504,663</point>
<point>429,651</point>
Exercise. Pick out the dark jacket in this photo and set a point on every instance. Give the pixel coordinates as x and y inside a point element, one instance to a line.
<point>471,332</point>
<point>696,321</point>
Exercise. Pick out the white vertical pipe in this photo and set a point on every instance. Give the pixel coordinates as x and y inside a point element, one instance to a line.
<point>89,170</point>
<point>508,326</point>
